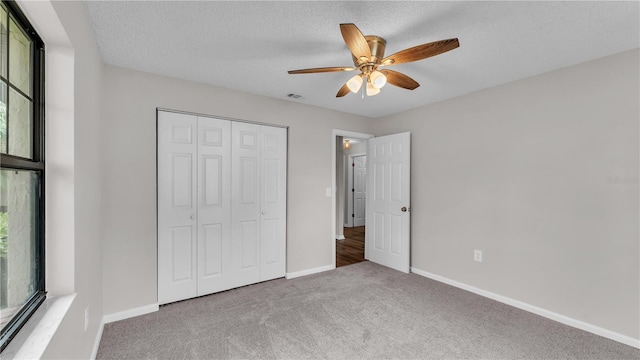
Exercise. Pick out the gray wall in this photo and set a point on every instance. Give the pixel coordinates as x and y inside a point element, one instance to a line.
<point>542,175</point>
<point>129,184</point>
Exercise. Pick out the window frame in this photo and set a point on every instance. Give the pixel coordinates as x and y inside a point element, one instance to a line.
<point>36,164</point>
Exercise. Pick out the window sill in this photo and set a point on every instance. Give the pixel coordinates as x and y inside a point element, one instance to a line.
<point>35,335</point>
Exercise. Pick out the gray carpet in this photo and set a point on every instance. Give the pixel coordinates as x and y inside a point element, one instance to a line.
<point>361,311</point>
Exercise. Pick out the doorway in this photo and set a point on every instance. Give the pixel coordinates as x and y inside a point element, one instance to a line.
<point>349,207</point>
<point>388,200</point>
<point>350,250</point>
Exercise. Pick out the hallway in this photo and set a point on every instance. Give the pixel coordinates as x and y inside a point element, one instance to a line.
<point>351,249</point>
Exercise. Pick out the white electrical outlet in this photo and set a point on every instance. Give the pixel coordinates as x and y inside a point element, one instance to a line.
<point>86,318</point>
<point>477,255</point>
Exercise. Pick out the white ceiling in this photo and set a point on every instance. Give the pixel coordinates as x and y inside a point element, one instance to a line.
<point>249,46</point>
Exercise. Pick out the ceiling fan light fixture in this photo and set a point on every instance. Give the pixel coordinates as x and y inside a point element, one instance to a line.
<point>372,90</point>
<point>367,53</point>
<point>378,79</point>
<point>355,83</point>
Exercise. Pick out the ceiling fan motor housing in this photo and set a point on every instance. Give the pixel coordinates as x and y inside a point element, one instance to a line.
<point>377,46</point>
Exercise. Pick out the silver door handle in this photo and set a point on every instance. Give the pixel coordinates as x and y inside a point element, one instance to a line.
<point>403,209</point>
<point>263,212</point>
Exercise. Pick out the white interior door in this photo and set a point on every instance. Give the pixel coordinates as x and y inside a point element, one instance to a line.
<point>245,207</point>
<point>273,160</point>
<point>177,137</point>
<point>214,205</point>
<point>359,190</point>
<point>388,196</point>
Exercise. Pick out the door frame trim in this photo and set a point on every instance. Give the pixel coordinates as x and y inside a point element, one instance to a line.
<point>334,134</point>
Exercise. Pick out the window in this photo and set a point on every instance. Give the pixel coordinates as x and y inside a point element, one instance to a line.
<point>21,171</point>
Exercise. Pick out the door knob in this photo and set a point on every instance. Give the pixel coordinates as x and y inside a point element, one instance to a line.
<point>191,217</point>
<point>263,212</point>
<point>403,209</point>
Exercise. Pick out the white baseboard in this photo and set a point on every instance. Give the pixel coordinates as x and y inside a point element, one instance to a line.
<point>96,343</point>
<point>339,237</point>
<point>130,313</point>
<point>627,340</point>
<point>296,274</point>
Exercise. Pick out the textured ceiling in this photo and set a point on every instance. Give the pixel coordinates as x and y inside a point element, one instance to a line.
<point>249,46</point>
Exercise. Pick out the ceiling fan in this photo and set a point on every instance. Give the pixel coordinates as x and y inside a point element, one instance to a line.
<point>368,56</point>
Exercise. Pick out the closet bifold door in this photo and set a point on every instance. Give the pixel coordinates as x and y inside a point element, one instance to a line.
<point>273,189</point>
<point>245,204</point>
<point>177,152</point>
<point>221,205</point>
<point>214,206</point>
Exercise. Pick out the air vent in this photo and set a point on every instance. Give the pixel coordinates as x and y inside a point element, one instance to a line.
<point>294,96</point>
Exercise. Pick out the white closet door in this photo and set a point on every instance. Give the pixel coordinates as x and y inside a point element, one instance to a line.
<point>273,210</point>
<point>214,205</point>
<point>177,137</point>
<point>245,206</point>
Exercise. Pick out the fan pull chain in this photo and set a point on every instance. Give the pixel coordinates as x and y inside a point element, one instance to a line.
<point>364,85</point>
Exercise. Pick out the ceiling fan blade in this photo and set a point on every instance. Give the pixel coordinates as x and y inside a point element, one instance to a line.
<point>355,41</point>
<point>321,70</point>
<point>421,52</point>
<point>344,90</point>
<point>399,79</point>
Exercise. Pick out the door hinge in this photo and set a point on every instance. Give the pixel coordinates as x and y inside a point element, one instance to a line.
<point>353,215</point>
<point>353,164</point>
<point>353,190</point>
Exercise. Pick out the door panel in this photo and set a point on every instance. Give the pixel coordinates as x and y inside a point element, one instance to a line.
<point>181,133</point>
<point>214,204</point>
<point>378,183</point>
<point>176,207</point>
<point>388,195</point>
<point>378,231</point>
<point>182,260</point>
<point>181,182</point>
<point>213,182</point>
<point>395,234</point>
<point>273,198</point>
<point>396,182</point>
<point>249,239</point>
<point>245,210</point>
<point>212,250</point>
<point>248,138</point>
<point>271,172</point>
<point>270,240</point>
<point>248,181</point>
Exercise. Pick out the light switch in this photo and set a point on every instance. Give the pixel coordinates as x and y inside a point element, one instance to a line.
<point>328,192</point>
